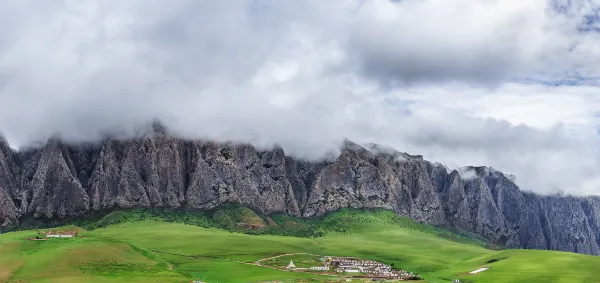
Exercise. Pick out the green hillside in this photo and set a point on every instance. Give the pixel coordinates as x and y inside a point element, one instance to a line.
<point>138,246</point>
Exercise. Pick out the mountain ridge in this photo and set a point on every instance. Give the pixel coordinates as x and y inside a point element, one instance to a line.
<point>60,180</point>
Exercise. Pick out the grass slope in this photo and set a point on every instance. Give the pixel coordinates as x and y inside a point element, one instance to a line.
<point>77,260</point>
<point>127,247</point>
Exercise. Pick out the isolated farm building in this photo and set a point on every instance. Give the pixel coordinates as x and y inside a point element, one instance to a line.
<point>61,234</point>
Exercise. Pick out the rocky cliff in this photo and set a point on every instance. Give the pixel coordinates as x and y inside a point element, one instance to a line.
<point>60,180</point>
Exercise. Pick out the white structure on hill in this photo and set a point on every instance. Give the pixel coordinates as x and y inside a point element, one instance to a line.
<point>291,265</point>
<point>61,234</point>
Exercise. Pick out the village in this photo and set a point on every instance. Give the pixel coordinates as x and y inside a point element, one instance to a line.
<point>368,267</point>
<point>347,267</point>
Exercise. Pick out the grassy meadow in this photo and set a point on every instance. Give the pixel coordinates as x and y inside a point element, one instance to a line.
<point>141,246</point>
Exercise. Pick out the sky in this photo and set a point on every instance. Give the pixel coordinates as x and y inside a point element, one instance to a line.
<point>509,84</point>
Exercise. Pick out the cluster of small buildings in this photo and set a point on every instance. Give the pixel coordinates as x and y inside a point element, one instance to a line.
<point>360,267</point>
<point>367,267</point>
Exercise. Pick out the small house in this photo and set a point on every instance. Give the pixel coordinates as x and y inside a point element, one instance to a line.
<point>61,234</point>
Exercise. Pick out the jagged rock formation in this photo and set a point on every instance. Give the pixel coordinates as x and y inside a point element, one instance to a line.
<point>60,180</point>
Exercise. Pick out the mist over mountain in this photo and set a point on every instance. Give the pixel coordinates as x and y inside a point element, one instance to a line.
<point>516,91</point>
<point>64,181</point>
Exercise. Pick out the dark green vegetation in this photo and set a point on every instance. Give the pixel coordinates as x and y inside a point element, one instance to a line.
<point>230,217</point>
<point>178,246</point>
<point>235,218</point>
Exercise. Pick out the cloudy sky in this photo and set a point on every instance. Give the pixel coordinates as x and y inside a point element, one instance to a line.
<point>509,84</point>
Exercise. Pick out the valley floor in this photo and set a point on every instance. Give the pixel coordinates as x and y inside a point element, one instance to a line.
<point>158,251</point>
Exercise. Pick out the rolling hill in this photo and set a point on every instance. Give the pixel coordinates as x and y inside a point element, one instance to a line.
<point>133,246</point>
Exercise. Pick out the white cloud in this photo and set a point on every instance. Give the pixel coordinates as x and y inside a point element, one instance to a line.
<point>467,173</point>
<point>473,41</point>
<point>436,78</point>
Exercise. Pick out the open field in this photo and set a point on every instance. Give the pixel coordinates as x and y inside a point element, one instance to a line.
<point>77,260</point>
<point>137,251</point>
<point>300,260</point>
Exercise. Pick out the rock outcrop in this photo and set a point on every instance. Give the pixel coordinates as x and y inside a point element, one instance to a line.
<point>62,180</point>
<point>9,172</point>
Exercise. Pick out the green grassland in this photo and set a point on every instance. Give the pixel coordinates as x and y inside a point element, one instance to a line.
<point>300,260</point>
<point>177,246</point>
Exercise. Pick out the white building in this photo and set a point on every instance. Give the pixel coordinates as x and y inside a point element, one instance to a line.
<point>291,265</point>
<point>319,268</point>
<point>61,234</point>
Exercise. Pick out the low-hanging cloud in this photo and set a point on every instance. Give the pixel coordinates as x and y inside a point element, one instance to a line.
<point>445,79</point>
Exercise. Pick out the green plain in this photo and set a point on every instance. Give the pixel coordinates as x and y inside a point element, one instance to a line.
<point>165,251</point>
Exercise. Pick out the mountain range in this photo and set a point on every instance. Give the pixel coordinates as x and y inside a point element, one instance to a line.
<point>61,180</point>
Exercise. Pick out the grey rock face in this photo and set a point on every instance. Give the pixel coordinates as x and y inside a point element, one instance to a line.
<point>8,184</point>
<point>60,180</point>
<point>53,185</point>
